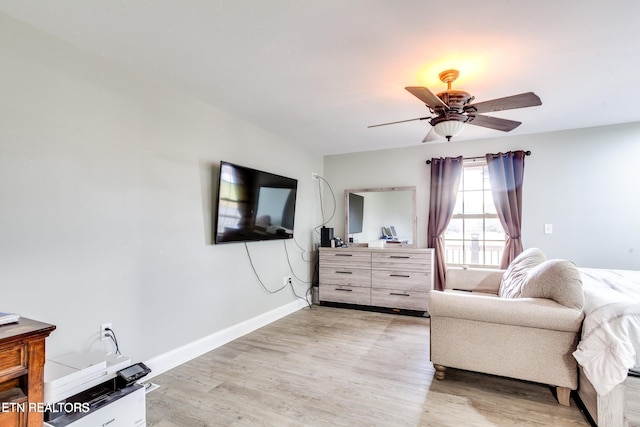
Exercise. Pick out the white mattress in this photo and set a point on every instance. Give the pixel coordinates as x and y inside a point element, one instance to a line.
<point>610,343</point>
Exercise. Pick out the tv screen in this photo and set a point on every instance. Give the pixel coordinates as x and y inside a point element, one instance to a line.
<point>253,205</point>
<point>356,213</point>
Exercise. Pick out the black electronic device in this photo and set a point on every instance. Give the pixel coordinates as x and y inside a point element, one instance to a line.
<point>131,374</point>
<point>326,236</point>
<point>253,205</point>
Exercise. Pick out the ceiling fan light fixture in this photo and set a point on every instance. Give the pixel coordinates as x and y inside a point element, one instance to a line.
<point>453,108</point>
<point>449,128</point>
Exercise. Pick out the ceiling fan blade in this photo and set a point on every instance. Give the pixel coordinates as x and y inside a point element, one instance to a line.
<point>431,136</point>
<point>494,123</point>
<point>399,121</point>
<point>426,96</point>
<point>522,100</point>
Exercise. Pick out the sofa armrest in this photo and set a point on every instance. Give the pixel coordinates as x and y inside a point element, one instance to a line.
<point>482,280</point>
<point>527,312</point>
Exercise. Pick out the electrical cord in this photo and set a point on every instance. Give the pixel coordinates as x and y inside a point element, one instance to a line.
<point>302,249</point>
<point>319,178</point>
<point>320,197</point>
<point>289,282</point>
<point>111,334</point>
<point>290,266</point>
<point>258,277</point>
<point>306,282</point>
<point>325,222</point>
<point>308,291</point>
<point>305,299</point>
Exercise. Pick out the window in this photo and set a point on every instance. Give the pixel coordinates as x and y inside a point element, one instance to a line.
<point>474,236</point>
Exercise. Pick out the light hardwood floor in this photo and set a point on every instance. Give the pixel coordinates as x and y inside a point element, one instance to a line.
<point>337,367</point>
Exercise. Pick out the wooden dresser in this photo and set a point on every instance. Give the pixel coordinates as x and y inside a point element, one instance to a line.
<point>397,278</point>
<point>22,356</point>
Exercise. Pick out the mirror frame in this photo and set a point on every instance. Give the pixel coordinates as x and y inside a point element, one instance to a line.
<point>378,190</point>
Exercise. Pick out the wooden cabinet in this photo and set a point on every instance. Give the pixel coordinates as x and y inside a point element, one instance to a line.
<point>401,279</point>
<point>22,356</point>
<point>391,278</point>
<point>345,276</point>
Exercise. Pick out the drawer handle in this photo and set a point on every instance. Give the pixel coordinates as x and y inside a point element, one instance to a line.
<point>343,254</point>
<point>399,275</point>
<point>398,256</point>
<point>399,294</point>
<point>344,272</point>
<point>344,290</point>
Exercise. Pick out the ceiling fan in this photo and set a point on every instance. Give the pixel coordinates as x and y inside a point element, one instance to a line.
<point>452,109</point>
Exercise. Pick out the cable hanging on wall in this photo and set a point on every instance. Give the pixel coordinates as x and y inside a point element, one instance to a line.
<point>269,291</point>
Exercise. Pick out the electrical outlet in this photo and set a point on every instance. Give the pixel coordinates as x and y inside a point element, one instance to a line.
<point>103,331</point>
<point>286,280</point>
<point>314,175</point>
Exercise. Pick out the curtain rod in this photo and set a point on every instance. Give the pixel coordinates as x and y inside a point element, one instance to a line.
<point>526,153</point>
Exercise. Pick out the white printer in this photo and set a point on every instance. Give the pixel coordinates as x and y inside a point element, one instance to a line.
<point>72,373</point>
<point>80,389</point>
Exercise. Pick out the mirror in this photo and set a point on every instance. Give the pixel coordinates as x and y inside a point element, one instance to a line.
<point>374,214</point>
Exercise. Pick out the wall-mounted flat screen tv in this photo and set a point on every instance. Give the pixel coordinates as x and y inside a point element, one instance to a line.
<point>253,205</point>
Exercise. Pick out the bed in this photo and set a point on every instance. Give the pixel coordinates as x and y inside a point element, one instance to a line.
<point>609,350</point>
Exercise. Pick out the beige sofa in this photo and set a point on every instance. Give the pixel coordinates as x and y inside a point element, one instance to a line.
<point>523,322</point>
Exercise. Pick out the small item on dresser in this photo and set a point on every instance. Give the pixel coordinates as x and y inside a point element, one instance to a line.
<point>326,237</point>
<point>338,243</point>
<point>6,318</point>
<point>377,243</point>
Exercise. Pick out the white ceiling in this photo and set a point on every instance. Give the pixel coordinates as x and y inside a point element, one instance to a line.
<point>318,72</point>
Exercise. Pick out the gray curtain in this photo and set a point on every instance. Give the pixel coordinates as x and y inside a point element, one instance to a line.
<point>506,173</point>
<point>445,177</point>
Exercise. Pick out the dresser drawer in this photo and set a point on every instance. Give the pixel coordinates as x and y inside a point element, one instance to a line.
<point>13,361</point>
<point>345,294</point>
<point>398,298</point>
<point>345,276</point>
<point>12,418</point>
<point>401,261</point>
<point>345,257</point>
<point>405,280</point>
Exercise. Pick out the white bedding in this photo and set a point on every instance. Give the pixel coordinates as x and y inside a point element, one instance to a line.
<point>610,343</point>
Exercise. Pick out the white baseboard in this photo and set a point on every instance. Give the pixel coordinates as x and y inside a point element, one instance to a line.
<point>180,355</point>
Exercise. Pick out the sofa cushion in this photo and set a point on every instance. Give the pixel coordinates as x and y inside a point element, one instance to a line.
<point>516,274</point>
<point>555,279</point>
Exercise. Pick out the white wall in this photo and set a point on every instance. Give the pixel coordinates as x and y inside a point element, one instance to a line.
<point>583,182</point>
<point>106,185</point>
